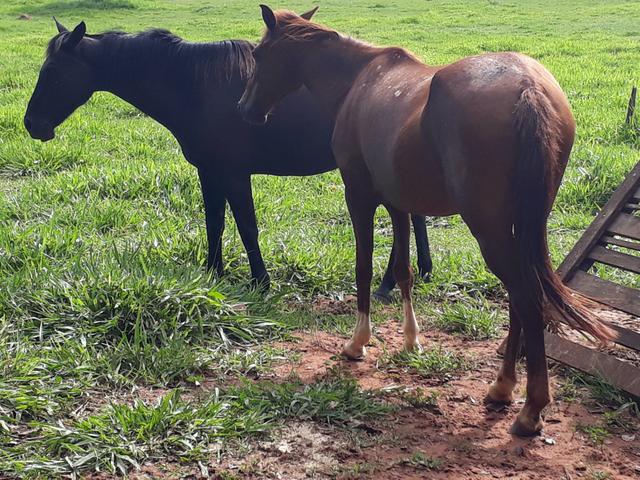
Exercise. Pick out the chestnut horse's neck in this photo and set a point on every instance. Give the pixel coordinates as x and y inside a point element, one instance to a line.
<point>332,68</point>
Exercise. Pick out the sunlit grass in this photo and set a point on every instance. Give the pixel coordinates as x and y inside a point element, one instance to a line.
<point>102,241</point>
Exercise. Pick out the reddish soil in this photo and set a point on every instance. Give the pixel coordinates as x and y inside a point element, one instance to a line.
<point>468,439</point>
<point>465,438</point>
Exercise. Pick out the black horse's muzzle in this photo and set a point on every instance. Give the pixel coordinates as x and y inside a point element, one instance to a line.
<point>251,115</point>
<point>39,130</point>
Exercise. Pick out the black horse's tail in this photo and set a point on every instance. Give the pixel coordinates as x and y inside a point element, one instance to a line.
<point>535,186</point>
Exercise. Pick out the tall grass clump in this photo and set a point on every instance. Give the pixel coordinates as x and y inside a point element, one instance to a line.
<point>122,436</point>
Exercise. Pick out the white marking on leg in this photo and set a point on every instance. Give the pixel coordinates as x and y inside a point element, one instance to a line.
<point>355,348</point>
<point>410,327</point>
<point>362,334</point>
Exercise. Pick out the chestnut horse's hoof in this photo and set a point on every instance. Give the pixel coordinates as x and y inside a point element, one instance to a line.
<point>383,297</point>
<point>351,351</point>
<point>412,346</point>
<point>526,427</point>
<point>498,394</point>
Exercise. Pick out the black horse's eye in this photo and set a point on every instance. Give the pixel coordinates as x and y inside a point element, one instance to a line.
<point>257,53</point>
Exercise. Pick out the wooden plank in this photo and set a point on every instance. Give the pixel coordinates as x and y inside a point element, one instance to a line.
<point>627,337</point>
<point>620,374</point>
<point>621,243</point>
<point>598,227</point>
<point>617,296</point>
<point>612,258</point>
<point>625,225</point>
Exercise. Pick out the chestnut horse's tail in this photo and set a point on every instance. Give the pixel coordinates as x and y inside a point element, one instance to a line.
<point>537,170</point>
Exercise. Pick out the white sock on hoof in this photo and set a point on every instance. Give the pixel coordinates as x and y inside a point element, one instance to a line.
<point>410,327</point>
<point>361,336</point>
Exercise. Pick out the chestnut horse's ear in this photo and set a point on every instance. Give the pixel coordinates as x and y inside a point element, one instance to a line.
<point>73,39</point>
<point>308,15</point>
<point>269,17</point>
<point>61,28</point>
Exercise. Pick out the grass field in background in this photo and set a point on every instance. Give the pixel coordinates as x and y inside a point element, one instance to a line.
<point>102,240</point>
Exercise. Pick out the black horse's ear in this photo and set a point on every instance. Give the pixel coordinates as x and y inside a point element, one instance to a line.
<point>73,39</point>
<point>269,17</point>
<point>61,28</point>
<point>308,15</point>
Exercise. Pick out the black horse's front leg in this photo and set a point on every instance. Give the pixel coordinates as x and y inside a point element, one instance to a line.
<point>239,195</point>
<point>214,207</point>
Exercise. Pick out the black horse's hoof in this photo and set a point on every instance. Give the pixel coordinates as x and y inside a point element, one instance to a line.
<point>425,275</point>
<point>382,296</point>
<point>261,284</point>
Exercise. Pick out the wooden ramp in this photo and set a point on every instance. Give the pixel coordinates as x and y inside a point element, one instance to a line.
<point>612,239</point>
<point>609,240</point>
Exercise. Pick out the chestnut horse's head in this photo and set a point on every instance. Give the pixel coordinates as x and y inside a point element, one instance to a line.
<point>65,82</point>
<point>277,72</point>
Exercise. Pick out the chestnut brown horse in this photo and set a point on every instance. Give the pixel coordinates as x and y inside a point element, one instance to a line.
<point>487,137</point>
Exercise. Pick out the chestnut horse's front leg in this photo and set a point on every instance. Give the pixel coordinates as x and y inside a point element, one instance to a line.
<point>362,208</point>
<point>404,275</point>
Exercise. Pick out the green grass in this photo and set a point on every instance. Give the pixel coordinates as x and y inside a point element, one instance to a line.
<point>421,461</point>
<point>596,433</point>
<point>418,399</point>
<point>471,317</point>
<point>433,363</point>
<point>102,237</point>
<point>121,436</point>
<point>580,386</point>
<point>621,413</point>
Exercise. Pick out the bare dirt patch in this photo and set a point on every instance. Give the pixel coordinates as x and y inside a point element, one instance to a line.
<point>462,439</point>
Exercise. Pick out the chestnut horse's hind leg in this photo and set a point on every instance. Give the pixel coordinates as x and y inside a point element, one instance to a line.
<point>529,310</point>
<point>404,276</point>
<point>501,391</point>
<point>362,209</point>
<point>525,310</point>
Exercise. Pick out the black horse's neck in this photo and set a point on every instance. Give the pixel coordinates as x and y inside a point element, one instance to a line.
<point>162,75</point>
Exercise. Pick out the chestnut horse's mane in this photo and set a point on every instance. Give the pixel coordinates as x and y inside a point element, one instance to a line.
<point>294,27</point>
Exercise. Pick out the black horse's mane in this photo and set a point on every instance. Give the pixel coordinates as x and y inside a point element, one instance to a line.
<point>217,61</point>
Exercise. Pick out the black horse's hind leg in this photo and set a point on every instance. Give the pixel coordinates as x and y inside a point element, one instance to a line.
<point>383,292</point>
<point>214,207</point>
<point>425,264</point>
<point>238,192</point>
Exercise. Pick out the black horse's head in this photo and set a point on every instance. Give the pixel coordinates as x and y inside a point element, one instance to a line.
<point>66,81</point>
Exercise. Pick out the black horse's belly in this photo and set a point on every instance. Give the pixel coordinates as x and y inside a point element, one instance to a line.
<point>296,140</point>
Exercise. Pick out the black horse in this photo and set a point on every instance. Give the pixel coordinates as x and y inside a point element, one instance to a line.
<point>192,89</point>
